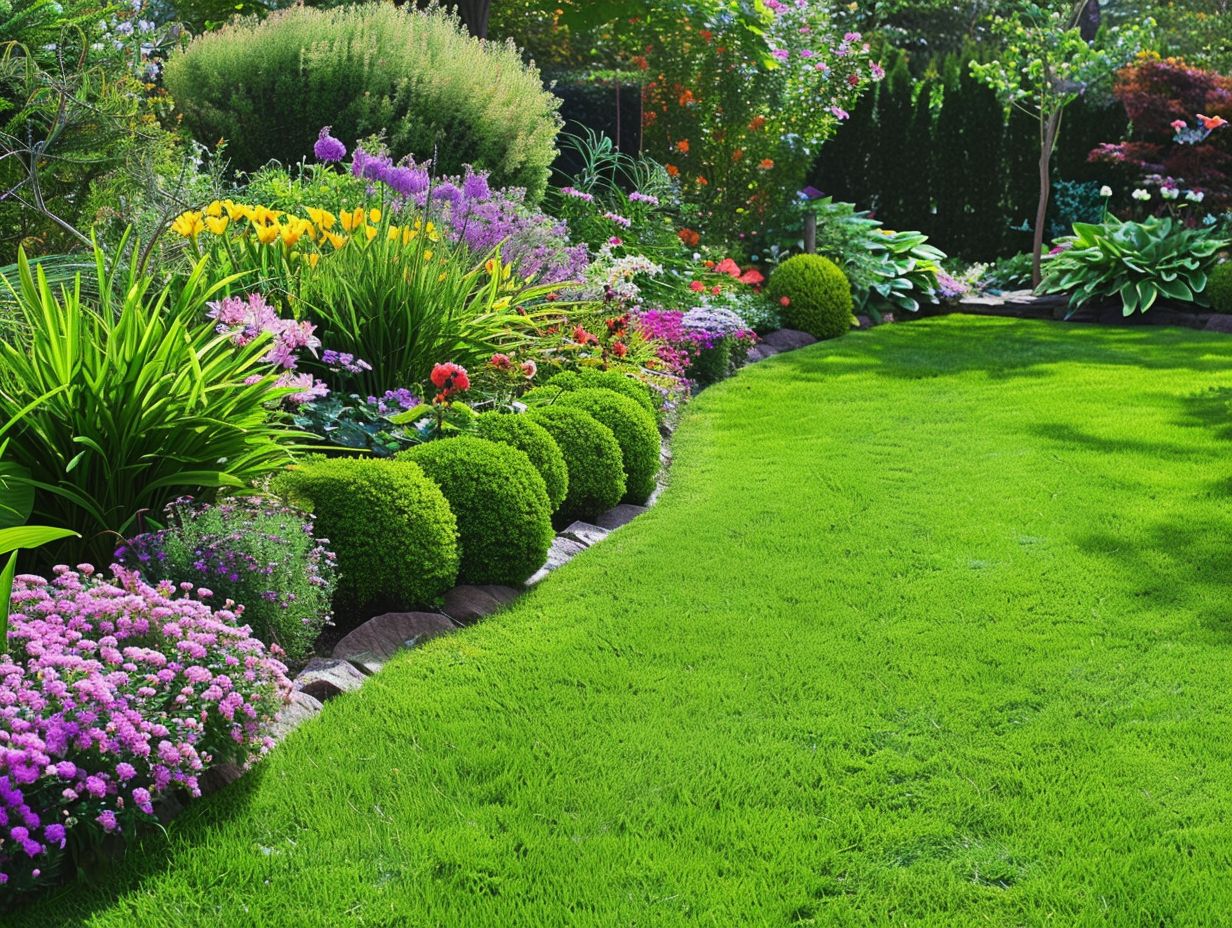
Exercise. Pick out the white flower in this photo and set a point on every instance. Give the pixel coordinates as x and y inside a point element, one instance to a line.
<point>1141,194</point>
<point>1195,196</point>
<point>1169,193</point>
<point>1105,191</point>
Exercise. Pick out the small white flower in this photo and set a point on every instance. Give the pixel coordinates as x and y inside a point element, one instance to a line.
<point>1169,193</point>
<point>1141,194</point>
<point>1195,196</point>
<point>1105,191</point>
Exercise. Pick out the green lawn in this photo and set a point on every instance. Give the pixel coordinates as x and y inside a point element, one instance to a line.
<point>931,628</point>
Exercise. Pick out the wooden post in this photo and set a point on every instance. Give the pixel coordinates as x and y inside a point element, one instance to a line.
<point>810,233</point>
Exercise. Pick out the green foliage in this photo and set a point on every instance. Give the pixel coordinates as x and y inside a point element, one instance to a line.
<point>393,532</point>
<point>115,406</point>
<point>818,294</point>
<point>533,440</point>
<point>501,504</point>
<point>269,86</point>
<point>635,432</point>
<point>1137,262</point>
<point>608,380</point>
<point>592,455</point>
<point>1013,273</point>
<point>1219,288</point>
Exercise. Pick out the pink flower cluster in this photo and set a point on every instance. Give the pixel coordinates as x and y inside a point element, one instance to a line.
<point>113,692</point>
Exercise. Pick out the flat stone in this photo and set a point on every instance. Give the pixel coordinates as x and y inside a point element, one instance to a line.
<point>218,776</point>
<point>787,339</point>
<point>584,533</point>
<point>301,708</point>
<point>563,550</point>
<point>1219,322</point>
<point>618,516</point>
<point>371,645</point>
<point>326,677</point>
<point>469,603</point>
<point>760,353</point>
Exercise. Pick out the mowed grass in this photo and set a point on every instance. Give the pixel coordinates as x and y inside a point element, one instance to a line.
<point>931,628</point>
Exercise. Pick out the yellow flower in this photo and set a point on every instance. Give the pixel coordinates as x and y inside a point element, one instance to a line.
<point>313,259</point>
<point>188,224</point>
<point>263,214</point>
<point>267,234</point>
<point>502,303</point>
<point>428,254</point>
<point>440,278</point>
<point>336,240</point>
<point>291,233</point>
<point>491,265</point>
<point>214,209</point>
<point>352,219</point>
<point>323,218</point>
<point>393,233</point>
<point>374,215</point>
<point>217,225</point>
<point>370,231</point>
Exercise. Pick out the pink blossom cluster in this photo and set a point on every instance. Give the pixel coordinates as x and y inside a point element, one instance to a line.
<point>112,693</point>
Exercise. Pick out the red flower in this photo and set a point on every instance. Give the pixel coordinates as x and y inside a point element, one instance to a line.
<point>784,301</point>
<point>727,266</point>
<point>450,379</point>
<point>689,237</point>
<point>619,349</point>
<point>501,362</point>
<point>752,277</point>
<point>529,369</point>
<point>1211,123</point>
<point>716,289</point>
<point>697,286</point>
<point>582,337</point>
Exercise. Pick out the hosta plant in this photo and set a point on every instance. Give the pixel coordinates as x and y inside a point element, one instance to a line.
<point>1135,262</point>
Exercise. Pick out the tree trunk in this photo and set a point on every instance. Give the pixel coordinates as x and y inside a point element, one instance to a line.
<point>474,15</point>
<point>1048,140</point>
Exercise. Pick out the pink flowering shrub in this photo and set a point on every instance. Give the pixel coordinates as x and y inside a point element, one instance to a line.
<point>700,345</point>
<point>113,693</point>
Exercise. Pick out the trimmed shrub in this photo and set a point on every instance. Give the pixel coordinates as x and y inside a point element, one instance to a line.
<point>268,86</point>
<point>533,440</point>
<point>818,295</point>
<point>635,432</point>
<point>500,501</point>
<point>607,380</point>
<point>592,455</point>
<point>1219,288</point>
<point>394,534</point>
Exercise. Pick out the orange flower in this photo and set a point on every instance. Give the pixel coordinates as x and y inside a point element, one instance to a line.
<point>686,97</point>
<point>737,154</point>
<point>1211,123</point>
<point>757,122</point>
<point>765,164</point>
<point>641,62</point>
<point>701,181</point>
<point>683,146</point>
<point>689,236</point>
<point>672,170</point>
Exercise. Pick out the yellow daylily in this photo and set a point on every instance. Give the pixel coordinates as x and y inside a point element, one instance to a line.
<point>502,303</point>
<point>214,209</point>
<point>291,233</point>
<point>370,231</point>
<point>188,224</point>
<point>352,219</point>
<point>313,259</point>
<point>268,234</point>
<point>335,239</point>
<point>236,211</point>
<point>217,224</point>
<point>263,214</point>
<point>427,254</point>
<point>323,218</point>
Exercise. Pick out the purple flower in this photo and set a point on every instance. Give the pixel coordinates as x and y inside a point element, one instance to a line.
<point>475,187</point>
<point>328,148</point>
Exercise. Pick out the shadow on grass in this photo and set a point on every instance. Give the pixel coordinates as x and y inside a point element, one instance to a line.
<point>74,902</point>
<point>1003,349</point>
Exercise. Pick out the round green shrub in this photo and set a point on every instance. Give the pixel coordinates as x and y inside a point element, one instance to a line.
<point>394,534</point>
<point>592,454</point>
<point>607,380</point>
<point>1219,288</point>
<point>269,86</point>
<point>818,295</point>
<point>533,440</point>
<point>500,501</point>
<point>635,432</point>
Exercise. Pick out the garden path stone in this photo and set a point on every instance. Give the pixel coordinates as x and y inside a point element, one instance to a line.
<point>467,603</point>
<point>1219,322</point>
<point>618,516</point>
<point>301,708</point>
<point>371,645</point>
<point>584,533</point>
<point>326,677</point>
<point>787,339</point>
<point>760,352</point>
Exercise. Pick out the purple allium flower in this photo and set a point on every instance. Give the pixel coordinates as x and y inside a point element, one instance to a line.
<point>475,187</point>
<point>328,148</point>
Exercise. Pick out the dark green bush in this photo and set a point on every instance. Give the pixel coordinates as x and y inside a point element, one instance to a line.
<point>607,380</point>
<point>635,432</point>
<point>499,499</point>
<point>393,532</point>
<point>269,86</point>
<point>592,454</point>
<point>1219,288</point>
<point>533,440</point>
<point>818,295</point>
